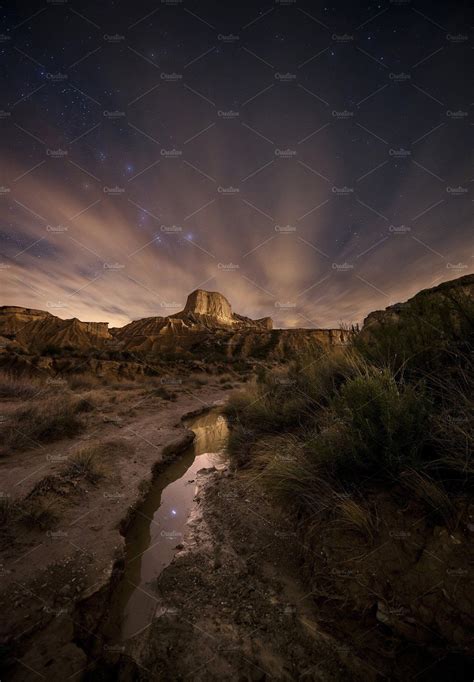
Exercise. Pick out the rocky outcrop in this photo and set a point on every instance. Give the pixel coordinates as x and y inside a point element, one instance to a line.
<point>209,303</point>
<point>211,309</point>
<point>446,295</point>
<point>207,321</point>
<point>204,311</point>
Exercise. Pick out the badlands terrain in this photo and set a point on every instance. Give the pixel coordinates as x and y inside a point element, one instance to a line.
<point>205,330</point>
<point>157,524</point>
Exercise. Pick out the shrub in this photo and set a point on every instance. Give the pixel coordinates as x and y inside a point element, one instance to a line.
<point>385,423</point>
<point>339,425</point>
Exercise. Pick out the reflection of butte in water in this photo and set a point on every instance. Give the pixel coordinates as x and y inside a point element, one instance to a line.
<point>160,522</point>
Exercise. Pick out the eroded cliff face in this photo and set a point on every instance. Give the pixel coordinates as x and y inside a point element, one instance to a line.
<point>206,328</point>
<point>209,303</point>
<point>35,330</point>
<point>13,318</point>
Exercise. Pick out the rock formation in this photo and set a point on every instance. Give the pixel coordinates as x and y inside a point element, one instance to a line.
<point>206,327</point>
<point>210,304</point>
<point>37,330</point>
<point>210,309</point>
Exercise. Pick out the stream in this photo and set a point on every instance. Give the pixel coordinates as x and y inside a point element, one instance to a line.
<point>158,530</point>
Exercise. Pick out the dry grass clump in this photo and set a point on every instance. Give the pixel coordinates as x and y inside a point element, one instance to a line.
<point>198,380</point>
<point>93,462</point>
<point>226,379</point>
<point>432,492</point>
<point>36,512</point>
<point>45,422</point>
<point>87,464</point>
<point>8,510</point>
<point>84,382</point>
<point>16,387</point>
<point>164,393</point>
<point>355,515</point>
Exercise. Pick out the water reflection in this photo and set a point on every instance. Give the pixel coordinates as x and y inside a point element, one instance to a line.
<point>159,527</point>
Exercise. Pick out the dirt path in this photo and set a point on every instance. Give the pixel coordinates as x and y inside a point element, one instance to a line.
<point>47,573</point>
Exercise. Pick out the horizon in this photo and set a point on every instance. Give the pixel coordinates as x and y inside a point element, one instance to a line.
<point>111,325</point>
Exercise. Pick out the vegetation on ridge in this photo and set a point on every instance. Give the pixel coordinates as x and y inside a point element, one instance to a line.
<point>395,407</point>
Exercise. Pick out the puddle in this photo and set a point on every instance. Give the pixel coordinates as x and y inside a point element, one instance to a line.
<point>160,523</point>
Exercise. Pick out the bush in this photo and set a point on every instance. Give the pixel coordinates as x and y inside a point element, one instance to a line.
<point>384,422</point>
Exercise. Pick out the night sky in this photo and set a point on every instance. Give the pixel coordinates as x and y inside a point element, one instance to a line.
<point>311,161</point>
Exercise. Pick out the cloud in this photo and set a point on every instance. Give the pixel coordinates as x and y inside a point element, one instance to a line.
<point>97,256</point>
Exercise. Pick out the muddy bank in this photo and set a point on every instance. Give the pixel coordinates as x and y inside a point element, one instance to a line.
<point>231,605</point>
<point>154,534</point>
<point>56,583</point>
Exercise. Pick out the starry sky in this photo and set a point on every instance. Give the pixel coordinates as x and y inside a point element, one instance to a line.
<point>312,161</point>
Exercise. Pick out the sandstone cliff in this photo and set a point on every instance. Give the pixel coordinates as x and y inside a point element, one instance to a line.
<point>211,309</point>
<point>206,328</point>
